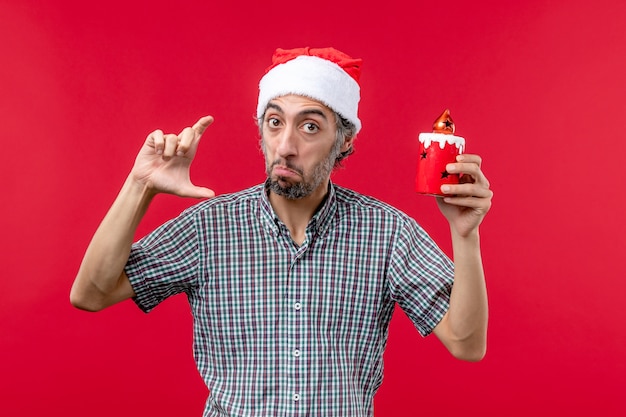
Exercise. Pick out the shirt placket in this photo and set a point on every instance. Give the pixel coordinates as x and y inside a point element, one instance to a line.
<point>295,350</point>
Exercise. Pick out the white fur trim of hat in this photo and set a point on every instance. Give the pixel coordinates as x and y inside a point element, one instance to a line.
<point>316,78</point>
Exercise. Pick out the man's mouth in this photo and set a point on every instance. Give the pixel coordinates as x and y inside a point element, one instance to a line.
<point>285,171</point>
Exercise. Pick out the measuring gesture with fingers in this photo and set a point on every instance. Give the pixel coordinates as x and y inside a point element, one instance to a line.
<point>163,162</point>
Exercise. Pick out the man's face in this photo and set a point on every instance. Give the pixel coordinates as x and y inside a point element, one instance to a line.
<point>300,146</point>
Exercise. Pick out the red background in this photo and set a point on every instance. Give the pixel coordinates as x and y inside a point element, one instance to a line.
<point>536,87</point>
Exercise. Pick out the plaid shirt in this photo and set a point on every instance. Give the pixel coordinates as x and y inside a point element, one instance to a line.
<point>288,330</point>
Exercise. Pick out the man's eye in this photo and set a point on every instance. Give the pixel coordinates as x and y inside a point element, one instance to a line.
<point>311,127</point>
<point>273,122</point>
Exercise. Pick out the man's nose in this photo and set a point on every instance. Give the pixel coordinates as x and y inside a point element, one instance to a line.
<point>287,142</point>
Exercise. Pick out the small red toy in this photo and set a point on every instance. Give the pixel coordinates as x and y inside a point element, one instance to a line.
<point>436,150</point>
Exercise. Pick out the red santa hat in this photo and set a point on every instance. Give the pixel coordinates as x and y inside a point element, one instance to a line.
<point>323,74</point>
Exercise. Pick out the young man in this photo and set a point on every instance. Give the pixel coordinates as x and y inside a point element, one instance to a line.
<point>292,283</point>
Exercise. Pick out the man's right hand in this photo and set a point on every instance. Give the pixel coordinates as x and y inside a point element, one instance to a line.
<point>163,162</point>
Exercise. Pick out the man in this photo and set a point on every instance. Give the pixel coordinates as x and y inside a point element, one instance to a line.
<point>292,283</point>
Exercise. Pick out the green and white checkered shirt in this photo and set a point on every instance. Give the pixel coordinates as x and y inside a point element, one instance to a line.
<point>287,330</point>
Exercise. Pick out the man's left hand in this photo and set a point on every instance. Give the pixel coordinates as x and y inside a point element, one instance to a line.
<point>466,204</point>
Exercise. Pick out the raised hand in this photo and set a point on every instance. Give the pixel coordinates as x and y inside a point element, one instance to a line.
<point>466,204</point>
<point>163,162</point>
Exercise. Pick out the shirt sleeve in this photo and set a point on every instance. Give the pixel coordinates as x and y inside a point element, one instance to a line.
<point>164,263</point>
<point>421,277</point>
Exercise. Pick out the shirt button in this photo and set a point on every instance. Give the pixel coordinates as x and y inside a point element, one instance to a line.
<point>296,397</point>
<point>296,352</point>
<point>297,306</point>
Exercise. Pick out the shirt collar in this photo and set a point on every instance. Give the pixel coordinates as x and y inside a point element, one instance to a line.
<point>320,221</point>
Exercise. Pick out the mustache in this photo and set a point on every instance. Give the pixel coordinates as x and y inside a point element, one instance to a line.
<point>288,165</point>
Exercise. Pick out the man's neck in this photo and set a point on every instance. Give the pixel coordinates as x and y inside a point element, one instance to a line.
<point>296,214</point>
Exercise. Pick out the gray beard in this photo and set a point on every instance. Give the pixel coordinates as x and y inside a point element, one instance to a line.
<point>291,191</point>
<point>321,172</point>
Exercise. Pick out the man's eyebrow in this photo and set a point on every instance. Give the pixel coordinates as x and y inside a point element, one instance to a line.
<point>275,107</point>
<point>305,112</point>
<point>313,111</point>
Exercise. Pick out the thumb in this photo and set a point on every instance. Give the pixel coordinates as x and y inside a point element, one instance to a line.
<point>193,191</point>
<point>202,192</point>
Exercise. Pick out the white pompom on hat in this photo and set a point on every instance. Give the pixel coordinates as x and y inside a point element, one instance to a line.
<point>323,74</point>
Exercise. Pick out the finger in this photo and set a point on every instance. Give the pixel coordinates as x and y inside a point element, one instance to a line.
<point>158,141</point>
<point>478,189</point>
<point>202,124</point>
<point>482,204</point>
<point>171,142</point>
<point>467,190</point>
<point>185,139</point>
<point>198,192</point>
<point>470,158</point>
<point>468,168</point>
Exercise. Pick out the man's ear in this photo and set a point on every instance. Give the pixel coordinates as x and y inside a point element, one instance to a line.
<point>347,144</point>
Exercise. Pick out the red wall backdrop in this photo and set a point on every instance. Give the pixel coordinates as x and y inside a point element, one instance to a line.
<point>536,87</point>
